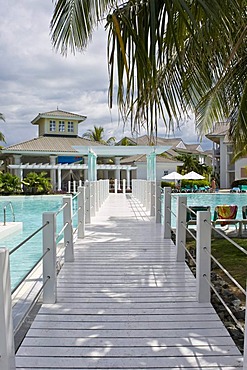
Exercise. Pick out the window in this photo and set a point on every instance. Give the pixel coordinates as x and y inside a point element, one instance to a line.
<point>70,126</point>
<point>61,126</point>
<point>53,126</point>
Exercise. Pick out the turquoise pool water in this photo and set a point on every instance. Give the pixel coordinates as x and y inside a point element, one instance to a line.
<point>212,200</point>
<point>29,211</point>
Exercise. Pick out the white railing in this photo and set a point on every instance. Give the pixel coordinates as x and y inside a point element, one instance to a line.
<point>115,186</point>
<point>145,191</point>
<point>202,235</point>
<point>93,194</point>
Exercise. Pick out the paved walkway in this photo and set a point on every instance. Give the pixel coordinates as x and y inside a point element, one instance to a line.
<point>125,303</point>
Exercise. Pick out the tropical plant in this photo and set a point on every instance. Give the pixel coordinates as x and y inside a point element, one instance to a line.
<point>190,163</point>
<point>37,183</point>
<point>97,135</point>
<point>126,142</point>
<point>171,58</point>
<point>9,184</point>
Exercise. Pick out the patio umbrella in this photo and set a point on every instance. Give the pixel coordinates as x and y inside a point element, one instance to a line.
<point>173,176</point>
<point>193,176</point>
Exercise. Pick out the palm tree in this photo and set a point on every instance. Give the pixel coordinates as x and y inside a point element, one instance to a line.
<point>37,183</point>
<point>97,135</point>
<point>2,138</point>
<point>171,58</point>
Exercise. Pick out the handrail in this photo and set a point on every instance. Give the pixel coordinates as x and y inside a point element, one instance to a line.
<point>204,256</point>
<point>4,212</point>
<point>52,261</point>
<point>28,238</point>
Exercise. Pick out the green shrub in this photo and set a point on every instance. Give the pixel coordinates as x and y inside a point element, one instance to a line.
<point>9,184</point>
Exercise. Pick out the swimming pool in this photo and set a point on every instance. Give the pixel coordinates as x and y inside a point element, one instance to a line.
<point>29,211</point>
<point>212,200</point>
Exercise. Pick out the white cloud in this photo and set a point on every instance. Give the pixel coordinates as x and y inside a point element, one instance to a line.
<point>34,78</point>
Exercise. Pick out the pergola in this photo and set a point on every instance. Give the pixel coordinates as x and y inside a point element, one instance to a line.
<point>91,166</point>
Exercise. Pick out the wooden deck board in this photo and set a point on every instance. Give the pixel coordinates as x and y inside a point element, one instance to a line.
<point>125,303</point>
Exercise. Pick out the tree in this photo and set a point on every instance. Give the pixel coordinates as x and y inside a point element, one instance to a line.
<point>97,135</point>
<point>190,163</point>
<point>37,183</point>
<point>171,58</point>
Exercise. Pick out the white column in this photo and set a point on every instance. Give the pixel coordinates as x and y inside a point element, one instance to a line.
<point>85,171</point>
<point>59,179</point>
<point>128,178</point>
<point>117,171</point>
<point>53,172</point>
<point>17,161</point>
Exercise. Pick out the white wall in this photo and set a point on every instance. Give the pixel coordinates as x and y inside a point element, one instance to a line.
<point>241,163</point>
<point>160,168</point>
<point>223,165</point>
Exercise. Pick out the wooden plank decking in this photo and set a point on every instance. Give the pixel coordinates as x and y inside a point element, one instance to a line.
<point>125,303</point>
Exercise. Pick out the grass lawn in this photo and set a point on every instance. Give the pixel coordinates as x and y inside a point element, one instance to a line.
<point>231,258</point>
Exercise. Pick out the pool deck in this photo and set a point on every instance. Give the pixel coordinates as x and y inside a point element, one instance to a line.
<point>125,303</point>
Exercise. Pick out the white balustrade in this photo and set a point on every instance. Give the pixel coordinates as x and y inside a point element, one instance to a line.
<point>50,256</point>
<point>181,228</point>
<point>81,211</point>
<point>7,352</point>
<point>167,212</point>
<point>68,231</point>
<point>203,258</point>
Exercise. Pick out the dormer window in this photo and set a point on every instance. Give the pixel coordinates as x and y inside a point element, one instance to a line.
<point>70,126</point>
<point>61,126</point>
<point>52,126</point>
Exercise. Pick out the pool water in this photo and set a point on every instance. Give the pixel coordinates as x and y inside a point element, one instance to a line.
<point>212,200</point>
<point>29,211</point>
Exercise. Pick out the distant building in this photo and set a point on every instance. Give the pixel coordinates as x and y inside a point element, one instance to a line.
<point>226,171</point>
<point>53,151</point>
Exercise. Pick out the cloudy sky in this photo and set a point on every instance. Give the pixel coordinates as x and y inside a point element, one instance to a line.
<point>35,79</point>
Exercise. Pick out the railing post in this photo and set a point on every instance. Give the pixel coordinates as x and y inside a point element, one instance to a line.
<point>115,186</point>
<point>152,198</point>
<point>181,228</point>
<point>203,259</point>
<point>81,212</point>
<point>124,186</point>
<point>158,203</point>
<point>97,189</point>
<point>88,203</point>
<point>167,212</point>
<point>7,352</point>
<point>245,335</point>
<point>49,261</point>
<point>74,186</point>
<point>68,231</point>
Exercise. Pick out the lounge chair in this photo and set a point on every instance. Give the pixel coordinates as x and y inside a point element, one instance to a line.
<point>243,188</point>
<point>244,214</point>
<point>186,189</point>
<point>235,189</point>
<point>191,215</point>
<point>225,215</point>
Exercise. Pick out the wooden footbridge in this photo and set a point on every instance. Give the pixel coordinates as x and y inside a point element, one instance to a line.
<point>125,303</point>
